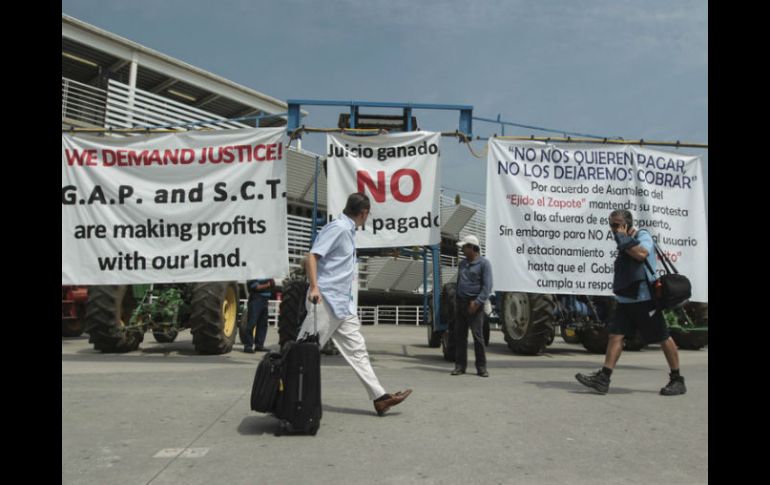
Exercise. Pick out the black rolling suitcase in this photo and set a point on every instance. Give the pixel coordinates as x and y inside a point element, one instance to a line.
<point>299,402</point>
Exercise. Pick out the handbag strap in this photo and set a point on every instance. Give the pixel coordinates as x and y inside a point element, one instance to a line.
<point>649,268</point>
<point>647,263</point>
<point>668,266</point>
<point>664,259</point>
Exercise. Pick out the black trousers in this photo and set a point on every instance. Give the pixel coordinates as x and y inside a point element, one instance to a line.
<point>475,321</point>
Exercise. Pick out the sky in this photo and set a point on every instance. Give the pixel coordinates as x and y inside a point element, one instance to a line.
<point>615,68</point>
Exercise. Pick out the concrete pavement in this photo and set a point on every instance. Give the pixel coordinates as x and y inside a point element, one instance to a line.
<point>166,415</point>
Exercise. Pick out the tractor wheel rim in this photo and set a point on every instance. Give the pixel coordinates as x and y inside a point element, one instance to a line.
<point>229,311</point>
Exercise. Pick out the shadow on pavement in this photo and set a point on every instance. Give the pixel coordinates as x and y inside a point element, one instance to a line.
<point>258,425</point>
<point>575,387</point>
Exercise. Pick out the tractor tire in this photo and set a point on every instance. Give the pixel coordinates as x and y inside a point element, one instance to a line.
<point>434,337</point>
<point>108,310</point>
<point>527,321</point>
<point>690,340</point>
<point>214,315</point>
<point>595,337</point>
<point>698,312</point>
<point>242,321</point>
<point>605,308</point>
<point>634,343</point>
<point>448,293</point>
<point>694,339</point>
<point>574,338</point>
<point>72,327</point>
<point>165,337</point>
<point>292,310</point>
<point>549,341</point>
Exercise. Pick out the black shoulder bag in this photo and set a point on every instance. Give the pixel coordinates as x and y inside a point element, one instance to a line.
<point>672,289</point>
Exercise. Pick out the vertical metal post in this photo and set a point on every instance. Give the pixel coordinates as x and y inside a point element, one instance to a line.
<point>353,116</point>
<point>408,114</point>
<point>314,226</point>
<point>132,90</point>
<point>65,96</point>
<point>435,257</point>
<point>466,122</point>
<point>425,285</point>
<point>293,121</point>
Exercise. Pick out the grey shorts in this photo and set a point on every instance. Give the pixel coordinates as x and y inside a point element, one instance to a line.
<point>630,317</point>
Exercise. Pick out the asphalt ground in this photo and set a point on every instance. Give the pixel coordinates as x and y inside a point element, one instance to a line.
<point>165,415</point>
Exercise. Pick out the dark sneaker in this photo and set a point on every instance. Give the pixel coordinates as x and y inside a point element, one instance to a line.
<point>598,381</point>
<point>482,371</point>
<point>458,371</point>
<point>249,350</point>
<point>674,387</point>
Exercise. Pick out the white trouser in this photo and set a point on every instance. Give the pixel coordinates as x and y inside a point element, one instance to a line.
<point>346,335</point>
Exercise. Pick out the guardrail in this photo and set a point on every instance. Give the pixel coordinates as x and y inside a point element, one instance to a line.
<point>369,315</point>
<point>82,103</point>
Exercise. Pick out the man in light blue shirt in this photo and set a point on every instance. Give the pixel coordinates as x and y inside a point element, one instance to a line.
<point>636,310</point>
<point>330,268</point>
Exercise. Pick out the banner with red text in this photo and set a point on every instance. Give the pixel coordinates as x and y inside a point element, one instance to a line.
<point>400,175</point>
<point>548,206</point>
<point>176,207</point>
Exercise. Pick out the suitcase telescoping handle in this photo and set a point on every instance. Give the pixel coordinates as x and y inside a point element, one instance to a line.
<point>315,321</point>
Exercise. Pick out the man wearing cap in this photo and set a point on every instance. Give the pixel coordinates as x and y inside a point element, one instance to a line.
<point>474,285</point>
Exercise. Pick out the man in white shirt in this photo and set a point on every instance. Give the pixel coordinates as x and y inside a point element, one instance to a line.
<point>330,269</point>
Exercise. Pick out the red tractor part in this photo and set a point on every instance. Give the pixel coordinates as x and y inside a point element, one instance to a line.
<point>73,309</point>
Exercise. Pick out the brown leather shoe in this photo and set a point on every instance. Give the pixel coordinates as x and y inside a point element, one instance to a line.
<point>382,406</point>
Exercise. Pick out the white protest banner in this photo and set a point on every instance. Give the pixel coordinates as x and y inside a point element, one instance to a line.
<point>177,207</point>
<point>400,174</point>
<point>548,207</point>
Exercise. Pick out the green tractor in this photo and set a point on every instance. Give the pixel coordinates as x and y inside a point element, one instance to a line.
<point>118,316</point>
<point>585,320</point>
<point>689,325</point>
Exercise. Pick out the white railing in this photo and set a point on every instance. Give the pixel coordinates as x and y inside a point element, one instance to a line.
<point>369,315</point>
<point>111,108</point>
<point>299,231</point>
<point>390,314</point>
<point>450,261</point>
<point>83,103</point>
<point>152,110</point>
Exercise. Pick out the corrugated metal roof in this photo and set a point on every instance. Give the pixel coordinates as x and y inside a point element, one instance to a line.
<point>112,66</point>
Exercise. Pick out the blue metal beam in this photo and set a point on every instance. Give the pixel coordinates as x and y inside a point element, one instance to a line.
<point>378,104</point>
<point>294,117</point>
<point>503,124</point>
<point>465,127</point>
<point>465,124</point>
